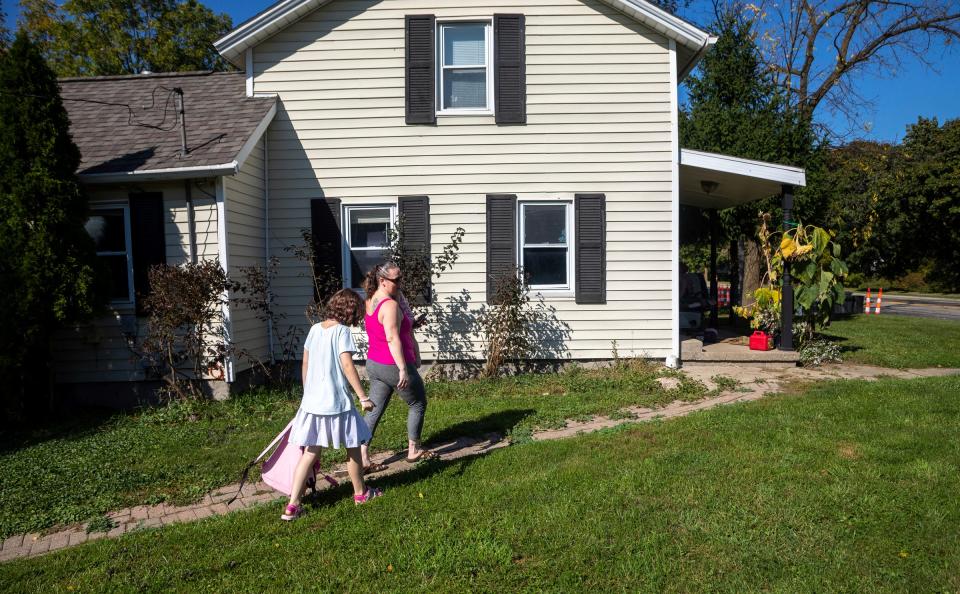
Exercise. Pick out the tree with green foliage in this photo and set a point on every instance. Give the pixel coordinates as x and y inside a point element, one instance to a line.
<point>735,108</point>
<point>48,268</point>
<point>918,210</point>
<point>849,182</point>
<point>897,207</point>
<point>108,37</point>
<point>4,33</point>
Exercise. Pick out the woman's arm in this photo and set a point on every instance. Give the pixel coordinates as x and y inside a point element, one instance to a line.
<point>353,378</point>
<point>391,326</point>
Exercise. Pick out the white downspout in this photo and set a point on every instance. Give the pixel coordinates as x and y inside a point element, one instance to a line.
<point>674,359</point>
<point>266,231</point>
<point>222,254</point>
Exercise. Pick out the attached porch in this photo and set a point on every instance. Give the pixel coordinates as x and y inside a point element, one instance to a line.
<point>713,182</point>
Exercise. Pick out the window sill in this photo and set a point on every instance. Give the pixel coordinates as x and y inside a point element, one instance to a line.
<point>449,113</point>
<point>554,295</point>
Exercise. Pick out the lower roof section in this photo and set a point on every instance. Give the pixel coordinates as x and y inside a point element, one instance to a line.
<point>712,180</point>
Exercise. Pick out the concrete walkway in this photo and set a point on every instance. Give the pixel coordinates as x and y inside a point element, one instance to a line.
<point>753,382</point>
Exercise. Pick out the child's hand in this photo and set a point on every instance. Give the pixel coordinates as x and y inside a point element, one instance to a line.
<point>366,404</point>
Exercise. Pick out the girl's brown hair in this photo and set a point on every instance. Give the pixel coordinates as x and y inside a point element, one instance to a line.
<point>371,281</point>
<point>346,307</point>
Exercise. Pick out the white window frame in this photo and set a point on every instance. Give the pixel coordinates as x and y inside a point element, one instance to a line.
<point>488,67</point>
<point>348,280</point>
<point>565,289</point>
<point>128,239</point>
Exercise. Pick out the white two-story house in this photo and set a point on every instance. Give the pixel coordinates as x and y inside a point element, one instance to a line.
<point>546,129</point>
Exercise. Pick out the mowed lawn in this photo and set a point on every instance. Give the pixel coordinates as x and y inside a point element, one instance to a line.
<point>178,453</point>
<point>897,341</point>
<point>849,486</point>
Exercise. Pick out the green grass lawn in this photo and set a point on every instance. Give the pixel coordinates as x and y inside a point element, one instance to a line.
<point>898,341</point>
<point>180,452</point>
<point>850,486</point>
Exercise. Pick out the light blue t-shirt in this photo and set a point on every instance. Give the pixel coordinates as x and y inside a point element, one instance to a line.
<point>325,389</point>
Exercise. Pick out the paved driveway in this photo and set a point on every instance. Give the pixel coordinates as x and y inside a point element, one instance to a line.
<point>942,309</point>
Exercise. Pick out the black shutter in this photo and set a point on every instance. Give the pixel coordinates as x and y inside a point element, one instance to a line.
<point>510,70</point>
<point>327,242</point>
<point>591,255</point>
<point>420,66</point>
<point>501,239</point>
<point>149,240</point>
<point>415,213</point>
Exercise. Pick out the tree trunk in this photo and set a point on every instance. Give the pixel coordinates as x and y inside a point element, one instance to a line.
<point>753,268</point>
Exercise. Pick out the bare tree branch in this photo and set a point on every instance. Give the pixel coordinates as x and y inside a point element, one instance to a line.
<point>816,49</point>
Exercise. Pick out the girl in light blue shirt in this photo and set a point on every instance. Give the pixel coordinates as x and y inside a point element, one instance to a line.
<point>327,417</point>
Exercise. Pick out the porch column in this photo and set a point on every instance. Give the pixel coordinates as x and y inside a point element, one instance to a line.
<point>786,300</point>
<point>714,286</point>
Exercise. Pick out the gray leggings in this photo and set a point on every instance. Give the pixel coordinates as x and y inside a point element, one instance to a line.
<point>383,383</point>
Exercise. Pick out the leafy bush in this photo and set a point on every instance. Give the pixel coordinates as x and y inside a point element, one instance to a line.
<point>254,292</point>
<point>187,340</point>
<point>817,351</point>
<point>816,269</point>
<point>505,325</point>
<point>764,313</point>
<point>419,269</point>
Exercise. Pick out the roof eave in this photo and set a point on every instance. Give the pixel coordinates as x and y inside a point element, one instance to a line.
<point>171,173</point>
<point>233,45</point>
<point>686,69</point>
<point>784,174</point>
<point>255,136</point>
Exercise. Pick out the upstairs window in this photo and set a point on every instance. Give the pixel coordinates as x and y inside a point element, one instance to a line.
<point>110,229</point>
<point>464,73</point>
<point>545,240</point>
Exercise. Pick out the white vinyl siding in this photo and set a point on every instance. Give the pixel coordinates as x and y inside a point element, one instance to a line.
<point>244,205</point>
<point>101,350</point>
<point>598,121</point>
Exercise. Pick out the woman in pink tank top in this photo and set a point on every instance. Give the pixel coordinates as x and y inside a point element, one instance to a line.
<point>392,358</point>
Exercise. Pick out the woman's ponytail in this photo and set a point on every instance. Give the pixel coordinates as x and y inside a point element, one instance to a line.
<point>370,282</point>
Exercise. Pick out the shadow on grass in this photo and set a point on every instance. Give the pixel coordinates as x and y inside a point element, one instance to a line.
<point>840,340</point>
<point>421,471</point>
<point>76,424</point>
<point>499,422</point>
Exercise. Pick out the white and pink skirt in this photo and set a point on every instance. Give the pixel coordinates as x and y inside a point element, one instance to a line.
<point>343,430</point>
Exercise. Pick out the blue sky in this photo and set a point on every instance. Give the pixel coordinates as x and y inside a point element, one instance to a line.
<point>897,100</point>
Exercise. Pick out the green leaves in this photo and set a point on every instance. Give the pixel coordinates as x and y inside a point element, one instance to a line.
<point>48,268</point>
<point>104,37</point>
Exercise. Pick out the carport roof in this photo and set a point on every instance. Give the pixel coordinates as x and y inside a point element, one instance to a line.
<point>737,180</point>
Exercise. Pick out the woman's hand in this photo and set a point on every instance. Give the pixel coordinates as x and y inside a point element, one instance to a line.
<point>404,378</point>
<point>366,404</point>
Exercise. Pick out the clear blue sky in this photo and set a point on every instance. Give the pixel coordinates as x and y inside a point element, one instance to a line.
<point>898,100</point>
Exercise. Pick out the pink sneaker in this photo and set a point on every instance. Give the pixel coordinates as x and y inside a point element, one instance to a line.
<point>292,512</point>
<point>369,494</point>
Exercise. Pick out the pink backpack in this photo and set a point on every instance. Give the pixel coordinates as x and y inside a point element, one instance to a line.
<point>277,471</point>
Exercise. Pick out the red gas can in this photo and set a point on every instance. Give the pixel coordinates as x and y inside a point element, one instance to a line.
<point>759,341</point>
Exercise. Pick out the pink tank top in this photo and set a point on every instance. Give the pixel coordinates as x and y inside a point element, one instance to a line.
<point>378,350</point>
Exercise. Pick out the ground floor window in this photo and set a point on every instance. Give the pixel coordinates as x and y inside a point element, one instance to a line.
<point>545,237</point>
<point>367,234</point>
<point>109,226</point>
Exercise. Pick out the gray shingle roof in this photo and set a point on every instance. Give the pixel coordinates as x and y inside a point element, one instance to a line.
<point>219,116</point>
